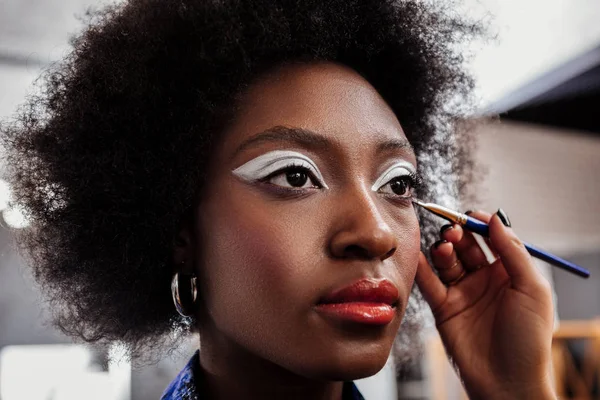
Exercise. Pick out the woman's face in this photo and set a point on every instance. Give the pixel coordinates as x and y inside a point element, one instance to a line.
<point>277,242</point>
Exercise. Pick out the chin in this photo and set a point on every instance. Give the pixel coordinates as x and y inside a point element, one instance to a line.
<point>348,368</point>
<point>352,372</point>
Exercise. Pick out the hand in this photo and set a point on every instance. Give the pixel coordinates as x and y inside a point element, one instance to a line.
<point>495,320</point>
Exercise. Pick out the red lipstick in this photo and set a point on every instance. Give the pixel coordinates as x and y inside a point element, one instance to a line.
<point>365,301</point>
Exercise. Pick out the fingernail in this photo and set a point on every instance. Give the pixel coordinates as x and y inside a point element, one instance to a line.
<point>503,217</point>
<point>436,244</point>
<point>469,212</point>
<point>445,228</point>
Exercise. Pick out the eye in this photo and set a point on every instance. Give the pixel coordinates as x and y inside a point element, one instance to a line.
<point>294,177</point>
<point>400,186</point>
<point>399,181</point>
<point>282,168</point>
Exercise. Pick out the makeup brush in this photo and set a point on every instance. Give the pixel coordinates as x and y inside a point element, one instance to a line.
<point>482,229</point>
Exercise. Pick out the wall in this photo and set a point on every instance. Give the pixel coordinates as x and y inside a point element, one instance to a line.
<point>548,181</point>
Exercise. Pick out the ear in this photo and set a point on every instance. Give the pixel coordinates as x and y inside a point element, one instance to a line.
<point>183,254</point>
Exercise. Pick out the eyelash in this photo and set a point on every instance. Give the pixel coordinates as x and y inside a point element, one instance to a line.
<point>413,180</point>
<point>414,183</point>
<point>291,190</point>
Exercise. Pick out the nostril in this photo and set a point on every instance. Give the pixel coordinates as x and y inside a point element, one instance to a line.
<point>357,251</point>
<point>389,253</point>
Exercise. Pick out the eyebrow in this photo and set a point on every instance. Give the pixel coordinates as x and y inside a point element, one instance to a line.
<point>312,140</point>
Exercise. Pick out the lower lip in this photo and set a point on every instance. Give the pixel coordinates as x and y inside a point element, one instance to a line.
<point>363,313</point>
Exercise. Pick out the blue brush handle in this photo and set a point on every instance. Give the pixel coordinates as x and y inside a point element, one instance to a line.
<point>557,261</point>
<point>474,225</point>
<point>483,229</point>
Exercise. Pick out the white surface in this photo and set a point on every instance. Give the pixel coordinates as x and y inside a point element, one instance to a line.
<point>15,218</point>
<point>40,29</point>
<point>534,36</point>
<point>60,372</point>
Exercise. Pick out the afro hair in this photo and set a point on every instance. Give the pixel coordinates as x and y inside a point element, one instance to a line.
<point>109,157</point>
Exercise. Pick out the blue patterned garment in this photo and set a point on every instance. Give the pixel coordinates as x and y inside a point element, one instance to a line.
<point>184,385</point>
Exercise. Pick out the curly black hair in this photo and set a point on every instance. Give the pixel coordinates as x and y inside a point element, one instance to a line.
<point>108,159</point>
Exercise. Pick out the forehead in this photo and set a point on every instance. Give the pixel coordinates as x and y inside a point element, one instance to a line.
<point>327,98</point>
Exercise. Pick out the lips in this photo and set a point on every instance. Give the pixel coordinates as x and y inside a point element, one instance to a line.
<point>365,290</point>
<point>366,302</point>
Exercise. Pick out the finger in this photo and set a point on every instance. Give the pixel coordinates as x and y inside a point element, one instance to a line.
<point>480,215</point>
<point>515,258</point>
<point>433,290</point>
<point>466,247</point>
<point>483,242</point>
<point>446,262</point>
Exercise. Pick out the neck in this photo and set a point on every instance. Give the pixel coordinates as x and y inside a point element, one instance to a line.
<point>231,372</point>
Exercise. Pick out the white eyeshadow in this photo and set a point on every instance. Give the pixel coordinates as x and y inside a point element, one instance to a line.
<point>270,162</point>
<point>402,168</point>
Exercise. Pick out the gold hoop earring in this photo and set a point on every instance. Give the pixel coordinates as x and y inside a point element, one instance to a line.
<point>184,293</point>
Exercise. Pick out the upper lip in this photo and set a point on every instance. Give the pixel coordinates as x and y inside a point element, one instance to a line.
<point>365,290</point>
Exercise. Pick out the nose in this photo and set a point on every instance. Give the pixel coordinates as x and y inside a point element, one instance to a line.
<point>362,231</point>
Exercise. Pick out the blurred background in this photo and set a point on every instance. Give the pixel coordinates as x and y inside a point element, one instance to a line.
<point>541,75</point>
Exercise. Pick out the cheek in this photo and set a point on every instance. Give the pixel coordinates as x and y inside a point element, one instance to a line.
<point>258,263</point>
<point>407,253</point>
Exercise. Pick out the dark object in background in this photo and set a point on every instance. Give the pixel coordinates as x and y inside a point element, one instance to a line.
<point>566,97</point>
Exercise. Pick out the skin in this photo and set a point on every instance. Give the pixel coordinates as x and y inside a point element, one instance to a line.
<point>264,258</point>
<point>497,322</point>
